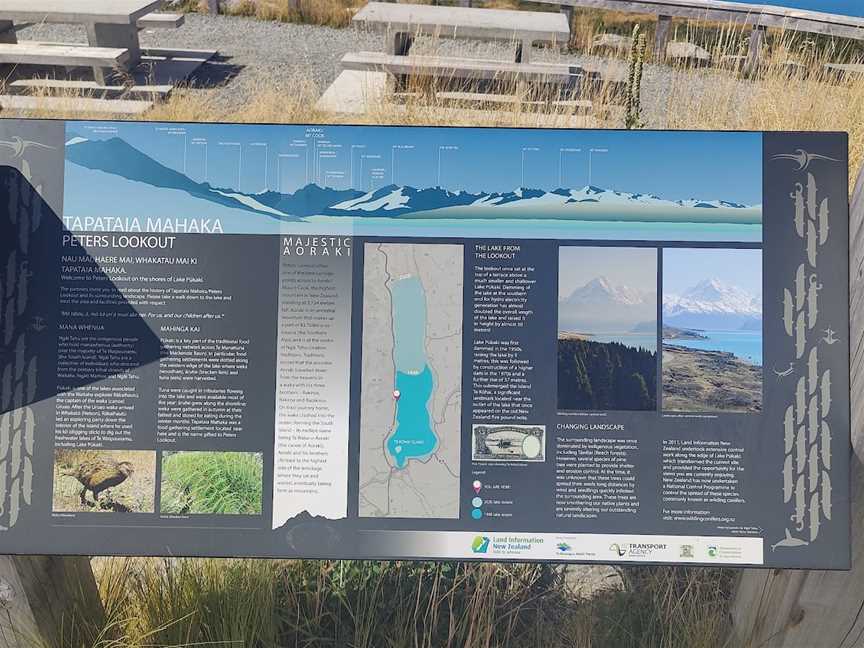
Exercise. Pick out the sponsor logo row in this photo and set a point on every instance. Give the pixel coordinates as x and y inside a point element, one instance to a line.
<point>601,547</point>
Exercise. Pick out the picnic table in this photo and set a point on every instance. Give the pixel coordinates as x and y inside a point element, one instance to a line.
<point>113,46</point>
<point>403,21</point>
<point>759,16</point>
<point>110,24</point>
<point>482,82</point>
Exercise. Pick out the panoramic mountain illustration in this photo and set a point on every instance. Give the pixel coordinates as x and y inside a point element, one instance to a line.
<point>116,157</point>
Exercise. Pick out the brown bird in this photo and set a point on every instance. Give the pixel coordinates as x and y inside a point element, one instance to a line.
<point>100,474</point>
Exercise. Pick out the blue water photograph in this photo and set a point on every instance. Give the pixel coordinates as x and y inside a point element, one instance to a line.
<point>712,329</point>
<point>607,328</point>
<point>456,182</point>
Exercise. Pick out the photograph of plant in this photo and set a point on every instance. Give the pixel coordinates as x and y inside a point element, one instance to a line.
<point>220,483</point>
<point>104,481</point>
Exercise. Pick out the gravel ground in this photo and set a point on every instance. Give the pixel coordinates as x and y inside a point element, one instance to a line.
<point>255,52</point>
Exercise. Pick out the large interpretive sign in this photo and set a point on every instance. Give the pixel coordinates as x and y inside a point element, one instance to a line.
<point>424,343</point>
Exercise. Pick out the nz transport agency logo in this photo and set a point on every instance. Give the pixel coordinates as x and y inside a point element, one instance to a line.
<point>563,548</point>
<point>480,545</point>
<point>636,549</point>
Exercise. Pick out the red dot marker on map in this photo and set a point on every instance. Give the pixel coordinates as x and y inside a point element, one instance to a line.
<point>396,394</point>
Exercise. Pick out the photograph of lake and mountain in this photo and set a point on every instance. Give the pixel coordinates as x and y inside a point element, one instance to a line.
<point>712,330</point>
<point>607,328</point>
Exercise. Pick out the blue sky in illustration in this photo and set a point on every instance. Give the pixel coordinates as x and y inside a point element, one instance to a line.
<point>683,268</point>
<point>252,158</point>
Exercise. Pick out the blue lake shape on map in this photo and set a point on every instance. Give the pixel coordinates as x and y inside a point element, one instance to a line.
<point>413,437</point>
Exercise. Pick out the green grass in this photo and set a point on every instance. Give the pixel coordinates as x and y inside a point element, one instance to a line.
<point>221,483</point>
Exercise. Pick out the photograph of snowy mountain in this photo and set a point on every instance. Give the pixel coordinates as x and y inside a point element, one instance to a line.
<point>712,330</point>
<point>607,328</point>
<point>438,181</point>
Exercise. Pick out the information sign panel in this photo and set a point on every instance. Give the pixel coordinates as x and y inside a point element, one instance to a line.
<point>424,343</point>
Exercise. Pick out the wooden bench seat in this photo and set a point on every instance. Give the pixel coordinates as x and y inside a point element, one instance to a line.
<point>844,70</point>
<point>161,21</point>
<point>56,54</point>
<point>94,88</point>
<point>483,100</point>
<point>66,105</point>
<point>464,69</point>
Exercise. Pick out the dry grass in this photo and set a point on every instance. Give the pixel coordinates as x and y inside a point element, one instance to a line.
<point>256,603</point>
<point>332,13</point>
<point>803,96</point>
<point>716,37</point>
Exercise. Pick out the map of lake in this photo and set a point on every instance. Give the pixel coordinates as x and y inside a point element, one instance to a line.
<point>413,436</point>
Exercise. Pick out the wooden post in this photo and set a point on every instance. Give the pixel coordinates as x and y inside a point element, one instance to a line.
<point>661,37</point>
<point>523,51</point>
<point>804,609</point>
<point>754,52</point>
<point>213,7</point>
<point>41,596</point>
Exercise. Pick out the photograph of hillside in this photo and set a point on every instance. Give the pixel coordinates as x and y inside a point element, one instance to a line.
<point>712,330</point>
<point>607,328</point>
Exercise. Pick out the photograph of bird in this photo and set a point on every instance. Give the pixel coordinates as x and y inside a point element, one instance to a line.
<point>99,475</point>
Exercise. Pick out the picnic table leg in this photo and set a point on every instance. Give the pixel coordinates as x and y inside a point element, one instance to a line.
<point>399,45</point>
<point>754,52</point>
<point>7,32</point>
<point>661,37</point>
<point>523,51</point>
<point>122,36</point>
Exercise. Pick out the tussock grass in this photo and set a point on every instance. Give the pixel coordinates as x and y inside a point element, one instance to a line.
<point>222,483</point>
<point>258,603</point>
<point>331,13</point>
<point>728,38</point>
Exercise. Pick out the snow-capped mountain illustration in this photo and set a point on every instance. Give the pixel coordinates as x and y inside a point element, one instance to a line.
<point>117,157</point>
<point>390,199</point>
<point>600,306</point>
<point>712,204</point>
<point>713,304</point>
